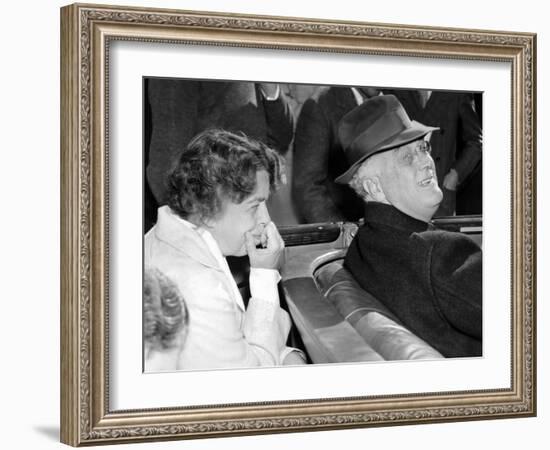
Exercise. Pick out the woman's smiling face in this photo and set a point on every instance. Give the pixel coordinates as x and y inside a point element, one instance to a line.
<point>229,227</point>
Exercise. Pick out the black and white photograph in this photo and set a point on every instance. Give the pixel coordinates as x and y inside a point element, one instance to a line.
<point>294,224</point>
<point>286,224</point>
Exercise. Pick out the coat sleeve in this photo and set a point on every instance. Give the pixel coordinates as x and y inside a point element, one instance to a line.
<point>456,279</point>
<point>214,338</point>
<point>266,327</point>
<point>310,166</point>
<point>470,138</point>
<point>219,334</point>
<point>266,324</point>
<point>280,122</point>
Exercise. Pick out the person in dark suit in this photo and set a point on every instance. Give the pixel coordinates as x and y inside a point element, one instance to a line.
<point>318,157</point>
<point>456,146</point>
<point>429,279</point>
<point>181,109</point>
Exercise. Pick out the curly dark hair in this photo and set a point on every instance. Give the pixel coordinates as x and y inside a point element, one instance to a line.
<point>218,165</point>
<point>164,310</point>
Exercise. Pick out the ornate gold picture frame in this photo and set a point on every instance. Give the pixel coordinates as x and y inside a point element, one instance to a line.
<point>87,34</point>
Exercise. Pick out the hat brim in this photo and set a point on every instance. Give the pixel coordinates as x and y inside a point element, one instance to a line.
<point>416,131</point>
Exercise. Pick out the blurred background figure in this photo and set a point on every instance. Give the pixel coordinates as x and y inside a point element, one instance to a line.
<point>318,156</point>
<point>176,110</point>
<point>165,321</point>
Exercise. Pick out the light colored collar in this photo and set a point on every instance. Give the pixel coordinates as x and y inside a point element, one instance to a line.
<point>184,236</point>
<point>198,243</point>
<point>222,261</point>
<point>208,239</point>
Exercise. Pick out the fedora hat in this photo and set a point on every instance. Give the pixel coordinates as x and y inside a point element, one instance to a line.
<point>377,125</point>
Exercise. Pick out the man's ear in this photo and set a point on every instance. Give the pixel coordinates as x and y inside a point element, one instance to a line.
<point>374,189</point>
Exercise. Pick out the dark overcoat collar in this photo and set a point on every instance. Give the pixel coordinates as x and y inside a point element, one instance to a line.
<point>389,215</point>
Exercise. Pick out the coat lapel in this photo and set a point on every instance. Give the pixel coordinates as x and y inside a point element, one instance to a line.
<point>171,230</point>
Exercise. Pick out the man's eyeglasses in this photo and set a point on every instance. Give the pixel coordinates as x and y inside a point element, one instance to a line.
<point>408,152</point>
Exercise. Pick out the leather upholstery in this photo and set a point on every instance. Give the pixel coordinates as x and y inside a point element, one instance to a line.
<point>371,319</point>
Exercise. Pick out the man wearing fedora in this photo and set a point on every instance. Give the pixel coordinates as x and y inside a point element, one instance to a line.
<point>430,279</point>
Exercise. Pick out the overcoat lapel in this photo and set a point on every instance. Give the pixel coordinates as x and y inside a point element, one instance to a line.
<point>187,240</point>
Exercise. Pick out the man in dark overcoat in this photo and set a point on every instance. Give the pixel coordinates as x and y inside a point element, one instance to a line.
<point>429,279</point>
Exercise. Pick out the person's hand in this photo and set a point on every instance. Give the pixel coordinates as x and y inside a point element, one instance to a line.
<point>270,90</point>
<point>272,245</point>
<point>450,181</point>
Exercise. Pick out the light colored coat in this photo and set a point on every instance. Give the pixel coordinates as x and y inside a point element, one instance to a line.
<point>221,333</point>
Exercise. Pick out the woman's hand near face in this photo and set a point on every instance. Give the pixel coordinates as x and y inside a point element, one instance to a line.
<point>272,245</point>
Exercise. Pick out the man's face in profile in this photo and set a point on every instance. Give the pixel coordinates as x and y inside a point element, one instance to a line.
<point>235,219</point>
<point>409,180</point>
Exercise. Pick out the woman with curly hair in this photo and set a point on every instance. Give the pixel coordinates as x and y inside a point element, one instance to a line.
<point>217,195</point>
<point>165,321</point>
